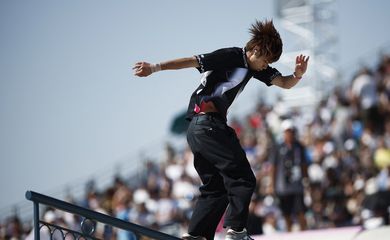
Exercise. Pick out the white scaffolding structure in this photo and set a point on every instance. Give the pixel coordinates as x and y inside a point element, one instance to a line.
<point>313,25</point>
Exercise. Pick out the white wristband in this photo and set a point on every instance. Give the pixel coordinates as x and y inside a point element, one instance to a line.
<point>155,67</point>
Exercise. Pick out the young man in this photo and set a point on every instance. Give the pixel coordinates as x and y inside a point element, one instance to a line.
<point>227,178</point>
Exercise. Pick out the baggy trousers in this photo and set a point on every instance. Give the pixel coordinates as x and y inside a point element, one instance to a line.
<point>227,178</point>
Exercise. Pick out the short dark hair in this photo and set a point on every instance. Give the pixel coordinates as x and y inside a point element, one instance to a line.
<point>267,38</point>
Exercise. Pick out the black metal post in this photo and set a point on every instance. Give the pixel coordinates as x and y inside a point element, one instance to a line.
<point>36,221</point>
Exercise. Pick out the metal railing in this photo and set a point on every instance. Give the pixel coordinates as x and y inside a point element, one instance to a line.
<point>89,220</point>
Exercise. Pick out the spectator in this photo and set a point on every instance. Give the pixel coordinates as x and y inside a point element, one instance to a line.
<point>289,168</point>
<point>364,94</point>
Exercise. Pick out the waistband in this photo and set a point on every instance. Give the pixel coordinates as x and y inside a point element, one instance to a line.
<point>211,116</point>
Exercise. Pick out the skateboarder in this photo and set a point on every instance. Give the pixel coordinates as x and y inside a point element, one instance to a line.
<point>227,178</point>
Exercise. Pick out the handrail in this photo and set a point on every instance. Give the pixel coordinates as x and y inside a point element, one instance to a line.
<point>103,218</point>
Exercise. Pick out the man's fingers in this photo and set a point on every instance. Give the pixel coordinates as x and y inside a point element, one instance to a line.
<point>302,58</point>
<point>141,69</point>
<point>299,59</point>
<point>139,74</point>
<point>138,65</point>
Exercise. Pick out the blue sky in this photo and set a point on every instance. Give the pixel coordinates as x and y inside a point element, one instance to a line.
<point>69,104</point>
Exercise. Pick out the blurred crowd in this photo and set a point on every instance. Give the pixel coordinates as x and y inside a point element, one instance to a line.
<point>342,170</point>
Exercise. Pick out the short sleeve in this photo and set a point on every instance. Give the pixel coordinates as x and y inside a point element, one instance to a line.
<point>267,75</point>
<point>224,58</point>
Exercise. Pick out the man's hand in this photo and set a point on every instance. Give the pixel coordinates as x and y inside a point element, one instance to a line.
<point>142,69</point>
<point>301,65</point>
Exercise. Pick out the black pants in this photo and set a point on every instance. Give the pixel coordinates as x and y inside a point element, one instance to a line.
<point>292,204</point>
<point>228,181</point>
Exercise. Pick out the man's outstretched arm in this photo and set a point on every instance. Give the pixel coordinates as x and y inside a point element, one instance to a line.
<point>144,69</point>
<point>291,80</point>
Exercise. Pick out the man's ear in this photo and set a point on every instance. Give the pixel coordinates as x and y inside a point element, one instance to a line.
<point>255,51</point>
<point>252,52</point>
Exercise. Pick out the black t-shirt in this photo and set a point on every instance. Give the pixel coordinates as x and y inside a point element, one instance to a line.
<point>225,72</point>
<point>289,162</point>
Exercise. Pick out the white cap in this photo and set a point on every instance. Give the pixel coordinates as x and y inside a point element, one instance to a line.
<point>287,125</point>
<point>49,216</point>
<point>140,196</point>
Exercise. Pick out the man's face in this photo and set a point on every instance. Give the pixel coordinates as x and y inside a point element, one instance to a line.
<point>289,136</point>
<point>256,61</point>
